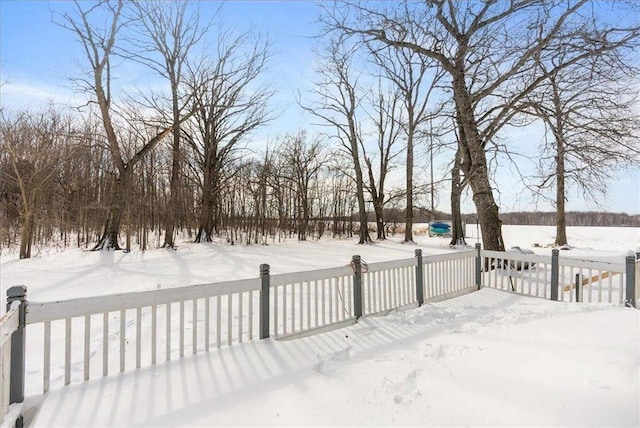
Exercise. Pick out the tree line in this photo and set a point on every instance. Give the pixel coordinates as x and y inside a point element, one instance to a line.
<point>444,78</point>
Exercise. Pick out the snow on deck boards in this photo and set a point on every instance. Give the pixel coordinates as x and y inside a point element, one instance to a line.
<point>486,358</point>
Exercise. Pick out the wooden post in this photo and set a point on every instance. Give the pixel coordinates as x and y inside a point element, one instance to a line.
<point>578,288</point>
<point>555,271</point>
<point>478,267</point>
<point>630,295</point>
<point>16,383</point>
<point>264,300</point>
<point>419,278</point>
<point>356,263</point>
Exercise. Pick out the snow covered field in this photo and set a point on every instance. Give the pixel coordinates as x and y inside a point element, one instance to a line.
<point>487,358</point>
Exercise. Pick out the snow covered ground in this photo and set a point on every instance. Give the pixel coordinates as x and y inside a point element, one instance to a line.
<point>488,358</point>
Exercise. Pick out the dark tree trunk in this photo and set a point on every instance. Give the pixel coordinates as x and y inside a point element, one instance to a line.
<point>27,236</point>
<point>408,217</point>
<point>206,228</point>
<point>475,168</point>
<point>169,229</point>
<point>378,206</point>
<point>111,233</point>
<point>561,222</point>
<point>457,232</point>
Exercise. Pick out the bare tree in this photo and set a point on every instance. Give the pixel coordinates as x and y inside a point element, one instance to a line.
<point>33,147</point>
<point>387,124</point>
<point>415,77</point>
<point>489,58</point>
<point>229,106</point>
<point>588,110</point>
<point>98,44</point>
<point>336,106</point>
<point>167,33</point>
<point>301,161</point>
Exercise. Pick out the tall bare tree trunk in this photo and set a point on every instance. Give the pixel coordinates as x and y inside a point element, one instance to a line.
<point>474,164</point>
<point>457,232</point>
<point>408,216</point>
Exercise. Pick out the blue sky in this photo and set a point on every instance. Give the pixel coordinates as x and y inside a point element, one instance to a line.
<point>37,58</point>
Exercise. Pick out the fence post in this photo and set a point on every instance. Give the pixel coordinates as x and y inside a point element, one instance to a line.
<point>630,267</point>
<point>264,301</point>
<point>555,271</point>
<point>478,266</point>
<point>578,288</point>
<point>419,278</point>
<point>356,263</point>
<point>16,383</point>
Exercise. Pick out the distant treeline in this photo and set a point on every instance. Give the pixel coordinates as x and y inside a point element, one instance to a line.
<point>533,218</point>
<point>590,218</point>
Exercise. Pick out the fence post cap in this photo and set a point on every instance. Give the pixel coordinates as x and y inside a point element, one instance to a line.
<point>478,246</point>
<point>555,252</point>
<point>264,268</point>
<point>356,257</point>
<point>16,292</point>
<point>418,252</point>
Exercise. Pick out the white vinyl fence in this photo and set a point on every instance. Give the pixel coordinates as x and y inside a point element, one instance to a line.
<point>122,332</point>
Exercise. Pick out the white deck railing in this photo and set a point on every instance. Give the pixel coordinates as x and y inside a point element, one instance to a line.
<point>596,281</point>
<point>126,331</point>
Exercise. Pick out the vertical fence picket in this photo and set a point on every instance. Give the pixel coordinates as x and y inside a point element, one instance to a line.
<point>323,293</point>
<point>194,326</point>
<point>87,342</point>
<point>46,378</point>
<point>240,318</point>
<point>123,338</point>
<point>105,344</point>
<point>218,321</point>
<point>276,325</point>
<point>293,308</point>
<point>250,327</point>
<point>301,306</point>
<point>138,337</point>
<point>318,302</point>
<point>154,333</point>
<point>309,305</point>
<point>207,324</point>
<point>67,351</point>
<point>168,332</point>
<point>229,319</point>
<point>181,329</point>
<point>331,302</point>
<point>284,309</point>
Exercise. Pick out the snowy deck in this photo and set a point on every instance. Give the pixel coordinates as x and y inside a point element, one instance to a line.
<point>486,358</point>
